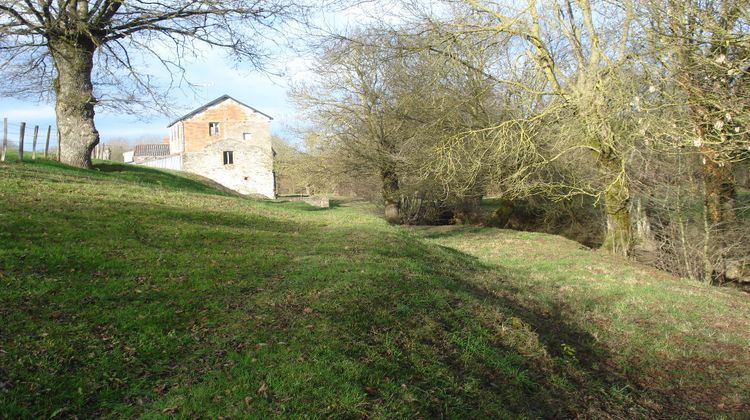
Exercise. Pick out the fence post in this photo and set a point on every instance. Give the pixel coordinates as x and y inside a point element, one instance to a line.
<point>33,144</point>
<point>5,139</point>
<point>46,144</point>
<point>21,135</point>
<point>59,144</point>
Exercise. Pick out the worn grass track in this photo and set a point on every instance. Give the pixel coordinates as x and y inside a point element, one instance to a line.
<point>129,292</point>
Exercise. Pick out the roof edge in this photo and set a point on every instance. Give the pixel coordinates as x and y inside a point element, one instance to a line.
<point>216,101</point>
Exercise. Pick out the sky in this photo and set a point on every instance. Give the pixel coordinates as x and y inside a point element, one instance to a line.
<point>216,76</point>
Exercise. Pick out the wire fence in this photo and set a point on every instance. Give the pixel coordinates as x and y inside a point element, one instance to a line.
<point>33,140</point>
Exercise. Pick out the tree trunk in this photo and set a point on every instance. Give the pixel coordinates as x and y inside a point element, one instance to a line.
<point>391,197</point>
<point>467,210</point>
<point>75,101</point>
<point>608,152</point>
<point>720,200</point>
<point>619,238</point>
<point>720,194</point>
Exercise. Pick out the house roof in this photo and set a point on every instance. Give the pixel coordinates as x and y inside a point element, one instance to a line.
<point>151,150</point>
<point>212,103</point>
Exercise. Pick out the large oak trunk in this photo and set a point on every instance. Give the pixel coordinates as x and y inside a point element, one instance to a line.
<point>75,101</point>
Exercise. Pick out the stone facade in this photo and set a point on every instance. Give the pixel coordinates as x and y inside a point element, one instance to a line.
<point>205,136</point>
<point>316,201</point>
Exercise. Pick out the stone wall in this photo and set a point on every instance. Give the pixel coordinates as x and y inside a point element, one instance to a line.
<point>242,131</point>
<point>317,201</point>
<point>251,172</point>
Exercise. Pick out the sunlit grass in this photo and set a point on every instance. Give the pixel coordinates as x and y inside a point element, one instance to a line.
<point>130,291</point>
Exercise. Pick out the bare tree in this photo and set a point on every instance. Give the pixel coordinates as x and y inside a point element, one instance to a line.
<point>576,83</point>
<point>77,49</point>
<point>389,104</point>
<point>701,71</point>
<point>352,107</point>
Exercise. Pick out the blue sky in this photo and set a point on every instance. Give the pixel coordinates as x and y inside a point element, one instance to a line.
<point>215,76</point>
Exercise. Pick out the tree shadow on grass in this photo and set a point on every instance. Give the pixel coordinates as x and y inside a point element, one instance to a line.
<point>128,293</point>
<point>151,176</point>
<point>623,385</point>
<point>589,371</point>
<point>448,231</point>
<point>150,308</point>
<point>136,174</point>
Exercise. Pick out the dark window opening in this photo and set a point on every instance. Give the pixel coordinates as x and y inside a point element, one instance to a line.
<point>213,129</point>
<point>228,158</point>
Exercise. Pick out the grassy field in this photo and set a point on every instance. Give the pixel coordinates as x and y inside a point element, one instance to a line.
<point>132,292</point>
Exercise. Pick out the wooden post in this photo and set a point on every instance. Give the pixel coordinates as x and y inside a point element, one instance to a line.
<point>5,139</point>
<point>21,135</point>
<point>33,143</point>
<point>46,143</point>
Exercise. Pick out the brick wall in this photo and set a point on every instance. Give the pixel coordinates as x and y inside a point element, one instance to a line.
<point>234,121</point>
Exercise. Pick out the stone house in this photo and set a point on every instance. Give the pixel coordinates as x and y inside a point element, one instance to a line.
<point>224,140</point>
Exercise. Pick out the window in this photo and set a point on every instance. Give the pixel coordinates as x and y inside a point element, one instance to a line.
<point>213,129</point>
<point>247,136</point>
<point>228,158</point>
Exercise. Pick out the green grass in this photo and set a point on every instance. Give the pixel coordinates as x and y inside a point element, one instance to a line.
<point>133,292</point>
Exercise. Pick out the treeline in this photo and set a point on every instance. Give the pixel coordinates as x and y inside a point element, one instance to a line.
<point>630,118</point>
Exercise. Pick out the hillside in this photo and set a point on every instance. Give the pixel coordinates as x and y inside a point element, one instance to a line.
<point>134,292</point>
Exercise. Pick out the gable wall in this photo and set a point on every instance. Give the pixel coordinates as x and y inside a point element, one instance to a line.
<point>252,170</point>
<point>234,120</point>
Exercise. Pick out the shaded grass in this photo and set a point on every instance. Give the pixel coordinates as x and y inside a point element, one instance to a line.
<point>676,346</point>
<point>136,292</point>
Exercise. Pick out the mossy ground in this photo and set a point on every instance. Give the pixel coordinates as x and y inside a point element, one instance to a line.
<point>128,291</point>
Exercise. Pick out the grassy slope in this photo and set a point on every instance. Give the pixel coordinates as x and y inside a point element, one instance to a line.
<point>135,292</point>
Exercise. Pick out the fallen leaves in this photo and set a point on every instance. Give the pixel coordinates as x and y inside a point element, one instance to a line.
<point>263,390</point>
<point>170,410</point>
